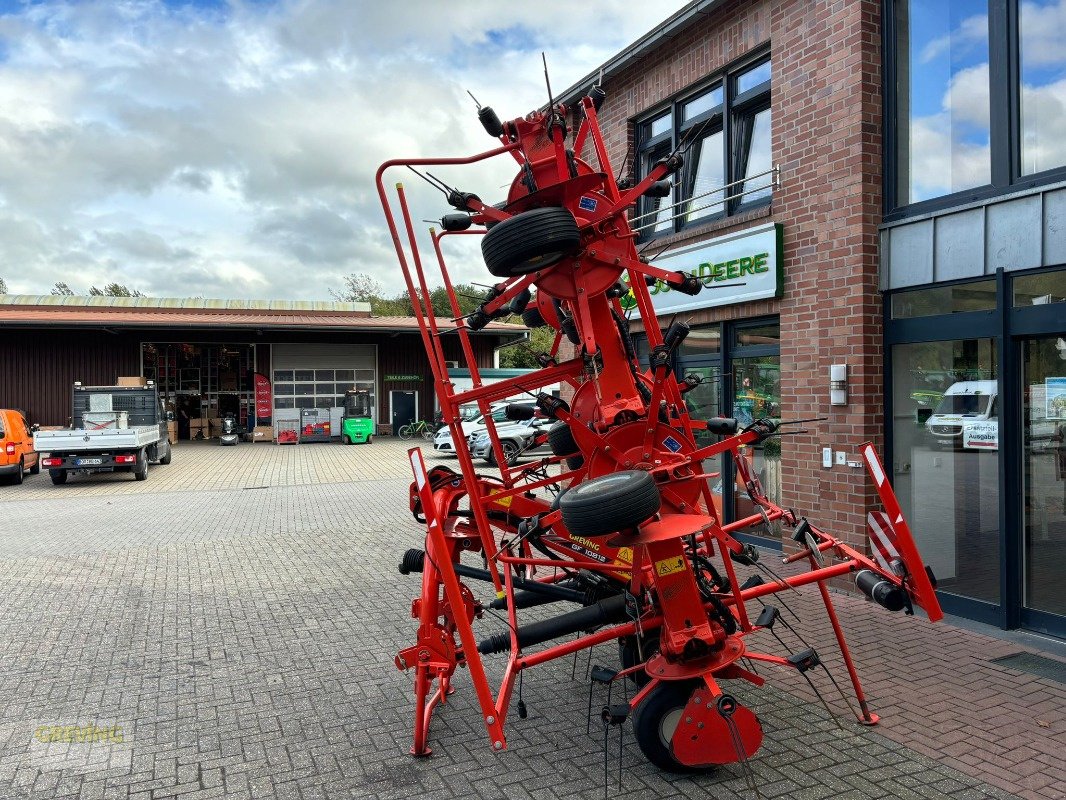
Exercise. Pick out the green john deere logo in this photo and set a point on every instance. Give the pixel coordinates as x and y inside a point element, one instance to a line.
<point>710,274</point>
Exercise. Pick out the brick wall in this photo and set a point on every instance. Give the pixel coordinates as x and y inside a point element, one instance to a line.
<point>826,108</point>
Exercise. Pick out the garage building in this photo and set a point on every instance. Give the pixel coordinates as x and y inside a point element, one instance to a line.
<point>204,355</point>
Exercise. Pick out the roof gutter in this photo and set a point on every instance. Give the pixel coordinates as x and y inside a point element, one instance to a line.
<point>650,41</point>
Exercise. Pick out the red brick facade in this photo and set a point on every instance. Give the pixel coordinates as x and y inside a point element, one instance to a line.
<point>826,137</point>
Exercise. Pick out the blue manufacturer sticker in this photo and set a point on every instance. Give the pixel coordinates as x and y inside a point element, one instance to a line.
<point>587,203</point>
<point>671,444</point>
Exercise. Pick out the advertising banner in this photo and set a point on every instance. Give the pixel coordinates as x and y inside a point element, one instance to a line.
<point>264,405</point>
<point>736,268</point>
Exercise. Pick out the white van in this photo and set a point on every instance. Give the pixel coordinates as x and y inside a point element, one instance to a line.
<point>966,417</point>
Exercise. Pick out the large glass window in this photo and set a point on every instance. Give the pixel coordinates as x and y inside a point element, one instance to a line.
<point>1044,449</point>
<point>945,459</point>
<point>1042,99</point>
<point>955,299</point>
<point>725,126</point>
<point>967,73</point>
<point>942,97</point>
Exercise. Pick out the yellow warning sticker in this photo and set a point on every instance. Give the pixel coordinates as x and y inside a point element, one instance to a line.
<point>668,566</point>
<point>625,555</point>
<point>503,501</point>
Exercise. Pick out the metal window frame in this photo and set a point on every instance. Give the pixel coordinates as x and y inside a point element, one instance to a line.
<point>1004,50</point>
<point>733,107</point>
<point>1007,326</point>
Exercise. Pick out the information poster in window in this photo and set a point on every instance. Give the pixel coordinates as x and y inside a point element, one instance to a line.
<point>1055,398</point>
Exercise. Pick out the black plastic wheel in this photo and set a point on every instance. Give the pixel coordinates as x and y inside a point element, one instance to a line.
<point>532,318</point>
<point>530,241</point>
<point>20,474</point>
<point>610,503</point>
<point>58,476</point>
<point>656,719</point>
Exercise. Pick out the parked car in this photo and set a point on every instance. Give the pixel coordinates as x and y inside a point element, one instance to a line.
<point>516,439</point>
<point>16,447</point>
<point>442,440</point>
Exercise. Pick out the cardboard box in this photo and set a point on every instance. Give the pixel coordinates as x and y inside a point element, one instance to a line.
<point>172,432</point>
<point>263,433</point>
<point>135,380</point>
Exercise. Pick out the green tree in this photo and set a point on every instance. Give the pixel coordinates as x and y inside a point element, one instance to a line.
<point>3,286</point>
<point>115,290</point>
<point>358,288</point>
<point>62,290</point>
<point>523,355</point>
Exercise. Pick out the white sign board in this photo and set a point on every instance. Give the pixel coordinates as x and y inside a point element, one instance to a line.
<point>736,268</point>
<point>980,435</point>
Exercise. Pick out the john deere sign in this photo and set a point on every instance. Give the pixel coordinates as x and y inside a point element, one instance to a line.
<point>734,269</point>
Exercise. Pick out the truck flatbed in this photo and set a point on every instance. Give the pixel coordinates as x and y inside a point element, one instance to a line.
<point>81,440</point>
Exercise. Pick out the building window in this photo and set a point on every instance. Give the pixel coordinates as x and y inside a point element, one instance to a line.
<point>977,92</point>
<point>728,115</point>
<point>320,388</point>
<point>1041,24</point>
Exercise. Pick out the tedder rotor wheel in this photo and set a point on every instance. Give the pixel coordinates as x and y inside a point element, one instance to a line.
<point>530,241</point>
<point>656,719</point>
<point>561,443</point>
<point>610,503</point>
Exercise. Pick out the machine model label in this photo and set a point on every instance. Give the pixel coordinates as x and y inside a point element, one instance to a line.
<point>587,204</point>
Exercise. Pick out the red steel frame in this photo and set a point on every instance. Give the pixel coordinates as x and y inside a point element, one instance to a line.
<point>616,426</point>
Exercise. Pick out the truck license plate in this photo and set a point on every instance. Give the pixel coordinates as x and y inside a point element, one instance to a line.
<point>88,462</point>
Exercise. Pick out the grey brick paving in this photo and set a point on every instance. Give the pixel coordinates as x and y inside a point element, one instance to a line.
<point>243,640</point>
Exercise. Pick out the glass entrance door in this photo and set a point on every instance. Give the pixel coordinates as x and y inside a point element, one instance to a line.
<point>1044,475</point>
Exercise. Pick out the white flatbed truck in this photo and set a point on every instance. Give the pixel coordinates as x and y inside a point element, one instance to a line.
<point>113,429</point>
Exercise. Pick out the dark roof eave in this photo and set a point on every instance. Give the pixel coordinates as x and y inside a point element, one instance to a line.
<point>640,48</point>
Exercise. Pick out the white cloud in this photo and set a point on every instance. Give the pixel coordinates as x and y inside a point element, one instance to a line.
<point>1042,31</point>
<point>232,151</point>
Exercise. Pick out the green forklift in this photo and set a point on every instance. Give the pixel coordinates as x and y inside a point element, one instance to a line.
<point>357,424</point>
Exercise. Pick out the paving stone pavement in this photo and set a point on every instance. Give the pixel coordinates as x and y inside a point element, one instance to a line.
<point>241,640</point>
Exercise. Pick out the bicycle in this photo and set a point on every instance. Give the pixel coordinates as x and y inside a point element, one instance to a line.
<point>419,427</point>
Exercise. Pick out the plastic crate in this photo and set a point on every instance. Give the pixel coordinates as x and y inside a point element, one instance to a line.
<point>288,431</point>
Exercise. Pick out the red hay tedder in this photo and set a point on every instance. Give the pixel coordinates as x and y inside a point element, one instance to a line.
<point>619,522</point>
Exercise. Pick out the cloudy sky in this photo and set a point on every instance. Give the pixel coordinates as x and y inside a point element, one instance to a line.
<point>227,149</point>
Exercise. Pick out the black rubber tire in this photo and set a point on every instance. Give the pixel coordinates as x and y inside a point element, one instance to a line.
<point>58,476</point>
<point>140,471</point>
<point>36,468</point>
<point>629,656</point>
<point>170,452</point>
<point>561,440</point>
<point>655,719</point>
<point>511,452</point>
<point>346,440</point>
<point>610,503</point>
<point>20,474</point>
<point>530,241</point>
<point>532,318</point>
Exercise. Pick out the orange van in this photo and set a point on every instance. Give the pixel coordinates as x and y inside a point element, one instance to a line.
<point>16,447</point>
